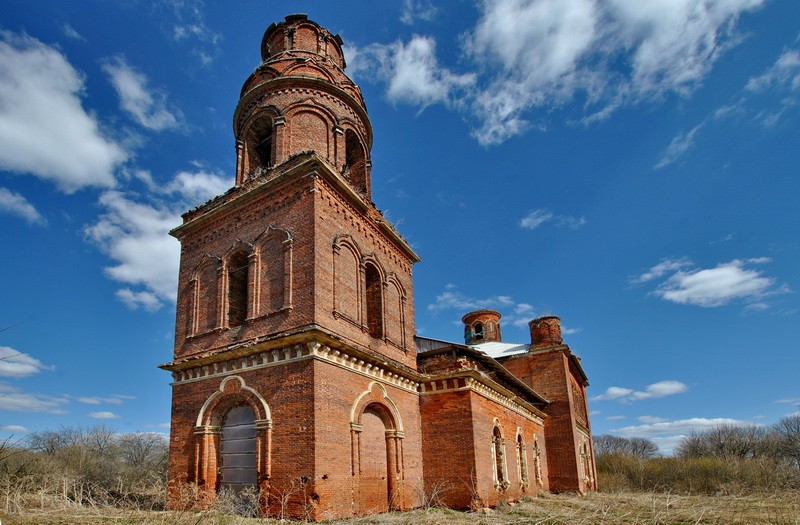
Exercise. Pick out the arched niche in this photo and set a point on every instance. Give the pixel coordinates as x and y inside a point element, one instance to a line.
<point>376,431</point>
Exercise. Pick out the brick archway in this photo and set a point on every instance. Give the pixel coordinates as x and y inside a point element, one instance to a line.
<point>232,392</point>
<point>374,410</point>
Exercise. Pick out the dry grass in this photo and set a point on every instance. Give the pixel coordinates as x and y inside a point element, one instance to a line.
<point>564,509</point>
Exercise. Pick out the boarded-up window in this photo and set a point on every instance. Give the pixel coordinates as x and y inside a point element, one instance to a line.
<point>273,273</point>
<point>208,297</point>
<point>238,449</point>
<point>238,275</point>
<point>394,319</point>
<point>346,283</point>
<point>374,300</point>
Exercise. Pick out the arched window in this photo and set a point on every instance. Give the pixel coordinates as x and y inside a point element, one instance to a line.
<point>522,461</point>
<point>374,300</point>
<point>259,146</point>
<point>238,449</point>
<point>238,278</point>
<point>480,331</point>
<point>499,449</point>
<point>355,165</point>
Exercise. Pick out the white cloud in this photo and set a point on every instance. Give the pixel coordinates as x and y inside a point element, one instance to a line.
<point>147,106</point>
<point>514,314</point>
<point>680,144</point>
<point>614,392</point>
<point>14,428</point>
<point>615,418</point>
<point>70,32</point>
<point>146,300</point>
<point>785,72</point>
<point>668,434</point>
<point>16,204</point>
<point>95,400</point>
<point>103,415</point>
<point>674,43</point>
<point>411,71</point>
<point>44,130</point>
<point>136,236</point>
<point>718,286</point>
<point>734,281</point>
<point>15,400</point>
<point>417,10</point>
<point>18,364</point>
<point>649,420</point>
<point>536,218</point>
<point>198,187</point>
<point>540,54</point>
<point>659,270</point>
<point>681,426</point>
<point>656,390</point>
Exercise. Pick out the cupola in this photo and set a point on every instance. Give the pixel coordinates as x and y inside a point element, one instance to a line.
<point>300,101</point>
<point>545,332</point>
<point>482,326</point>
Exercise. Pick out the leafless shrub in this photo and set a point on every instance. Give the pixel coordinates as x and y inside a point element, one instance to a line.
<point>638,447</point>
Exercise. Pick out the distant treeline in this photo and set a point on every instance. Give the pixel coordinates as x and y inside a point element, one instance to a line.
<point>724,459</point>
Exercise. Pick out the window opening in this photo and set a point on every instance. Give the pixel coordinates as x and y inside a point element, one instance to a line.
<point>264,149</point>
<point>355,168</point>
<point>374,301</point>
<point>238,277</point>
<point>522,460</point>
<point>499,458</point>
<point>480,332</point>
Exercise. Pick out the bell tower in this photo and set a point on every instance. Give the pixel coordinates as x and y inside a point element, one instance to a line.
<point>295,366</point>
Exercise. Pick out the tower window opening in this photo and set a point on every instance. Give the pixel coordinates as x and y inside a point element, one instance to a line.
<point>264,149</point>
<point>355,165</point>
<point>480,331</point>
<point>259,146</point>
<point>374,300</point>
<point>238,277</point>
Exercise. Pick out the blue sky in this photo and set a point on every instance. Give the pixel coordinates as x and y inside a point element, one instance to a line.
<point>628,165</point>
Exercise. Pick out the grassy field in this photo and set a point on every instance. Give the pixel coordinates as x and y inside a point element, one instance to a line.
<point>564,509</point>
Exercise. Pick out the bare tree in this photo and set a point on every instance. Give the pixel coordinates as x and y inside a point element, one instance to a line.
<point>728,442</point>
<point>788,431</point>
<point>638,447</point>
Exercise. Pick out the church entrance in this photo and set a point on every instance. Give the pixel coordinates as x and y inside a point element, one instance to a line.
<point>238,450</point>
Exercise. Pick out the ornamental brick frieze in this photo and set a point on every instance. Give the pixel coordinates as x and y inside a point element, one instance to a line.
<point>281,356</point>
<point>480,387</point>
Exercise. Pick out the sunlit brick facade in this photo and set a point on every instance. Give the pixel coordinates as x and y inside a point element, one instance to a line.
<point>297,373</point>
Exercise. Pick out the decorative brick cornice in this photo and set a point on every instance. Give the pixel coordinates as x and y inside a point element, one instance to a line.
<point>259,359</point>
<point>474,381</point>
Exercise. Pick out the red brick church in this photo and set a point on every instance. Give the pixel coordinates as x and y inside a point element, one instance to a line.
<point>297,372</point>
